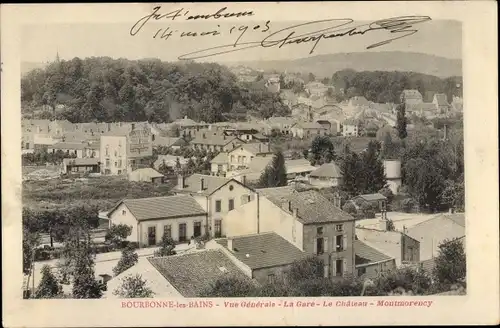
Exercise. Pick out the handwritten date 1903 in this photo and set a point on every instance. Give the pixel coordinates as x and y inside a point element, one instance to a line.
<point>156,15</point>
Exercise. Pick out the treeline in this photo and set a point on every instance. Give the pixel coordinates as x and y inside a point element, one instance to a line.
<point>386,87</point>
<point>105,89</point>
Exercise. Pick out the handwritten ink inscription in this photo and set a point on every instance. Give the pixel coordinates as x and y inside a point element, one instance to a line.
<point>312,32</point>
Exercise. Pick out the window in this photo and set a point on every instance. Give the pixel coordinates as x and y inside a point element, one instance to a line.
<point>339,268</point>
<point>218,206</point>
<point>320,246</point>
<point>197,229</point>
<point>107,150</point>
<point>119,163</point>
<point>271,278</point>
<point>182,232</point>
<point>116,153</point>
<point>361,271</point>
<point>151,235</point>
<point>231,204</point>
<point>167,230</point>
<point>339,227</point>
<point>231,188</point>
<point>116,164</point>
<point>218,228</point>
<point>107,163</point>
<point>319,230</point>
<point>219,168</point>
<point>232,158</point>
<point>339,243</point>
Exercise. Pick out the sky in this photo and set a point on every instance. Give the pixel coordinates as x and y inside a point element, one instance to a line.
<point>40,43</point>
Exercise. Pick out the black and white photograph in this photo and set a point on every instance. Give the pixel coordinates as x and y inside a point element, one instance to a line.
<point>223,156</point>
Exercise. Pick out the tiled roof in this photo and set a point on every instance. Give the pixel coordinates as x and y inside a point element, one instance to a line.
<point>193,273</point>
<point>412,94</point>
<point>281,120</point>
<point>168,141</point>
<point>441,99</point>
<point>185,122</point>
<point>81,161</point>
<point>256,148</point>
<point>162,207</point>
<point>329,170</point>
<point>309,125</point>
<point>369,253</point>
<point>312,207</point>
<point>298,166</point>
<point>372,197</point>
<point>387,242</point>
<point>458,218</point>
<point>215,140</point>
<point>210,183</point>
<point>265,250</point>
<point>69,145</point>
<point>221,158</point>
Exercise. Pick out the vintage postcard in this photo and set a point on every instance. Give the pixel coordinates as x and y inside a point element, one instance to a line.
<point>194,164</point>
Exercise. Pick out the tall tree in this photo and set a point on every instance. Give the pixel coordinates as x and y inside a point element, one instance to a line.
<point>275,173</point>
<point>351,168</point>
<point>322,150</point>
<point>451,262</point>
<point>401,121</point>
<point>373,175</point>
<point>129,259</point>
<point>48,287</point>
<point>133,287</point>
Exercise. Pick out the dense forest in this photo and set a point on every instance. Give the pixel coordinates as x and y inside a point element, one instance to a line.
<point>386,87</point>
<point>104,89</point>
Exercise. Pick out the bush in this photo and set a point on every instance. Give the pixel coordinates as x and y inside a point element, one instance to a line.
<point>408,205</point>
<point>309,268</point>
<point>350,208</point>
<point>402,280</point>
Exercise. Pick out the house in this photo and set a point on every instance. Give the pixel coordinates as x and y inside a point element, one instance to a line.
<point>305,219</point>
<point>169,142</point>
<point>123,151</point>
<point>288,98</point>
<point>61,126</point>
<point>265,256</point>
<point>273,84</point>
<point>377,201</point>
<point>326,176</point>
<point>308,130</point>
<point>350,127</point>
<point>329,125</point>
<point>433,232</point>
<point>170,161</point>
<point>441,102</point>
<point>411,97</point>
<point>180,217</point>
<point>80,165</point>
<point>191,274</point>
<point>281,123</point>
<point>146,174</point>
<point>395,244</point>
<point>211,142</point>
<point>188,127</point>
<point>297,169</point>
<point>317,89</point>
<point>92,150</point>
<point>241,156</point>
<point>70,148</point>
<point>251,173</point>
<point>219,165</point>
<point>370,262</point>
<point>216,195</point>
<point>457,104</point>
<point>358,102</point>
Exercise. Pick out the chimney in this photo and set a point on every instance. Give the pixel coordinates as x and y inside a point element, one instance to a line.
<point>260,148</point>
<point>202,184</point>
<point>445,132</point>
<point>230,244</point>
<point>180,181</point>
<point>108,126</point>
<point>133,126</point>
<point>383,224</point>
<point>268,147</point>
<point>185,117</point>
<point>294,212</point>
<point>244,180</point>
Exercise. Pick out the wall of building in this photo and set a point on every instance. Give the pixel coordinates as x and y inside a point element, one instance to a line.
<point>394,185</point>
<point>331,255</point>
<point>174,225</point>
<point>231,190</point>
<point>122,215</point>
<point>214,168</point>
<point>324,182</point>
<point>113,155</point>
<point>374,270</point>
<point>239,157</point>
<point>242,220</point>
<point>410,249</point>
<point>349,130</point>
<point>262,275</point>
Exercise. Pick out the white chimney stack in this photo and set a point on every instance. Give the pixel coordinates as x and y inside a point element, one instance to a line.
<point>294,211</point>
<point>230,244</point>
<point>202,184</point>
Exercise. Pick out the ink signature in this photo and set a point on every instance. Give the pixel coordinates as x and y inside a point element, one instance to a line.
<point>401,27</point>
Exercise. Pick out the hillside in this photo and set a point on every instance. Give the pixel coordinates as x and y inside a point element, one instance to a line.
<point>104,89</point>
<point>327,65</point>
